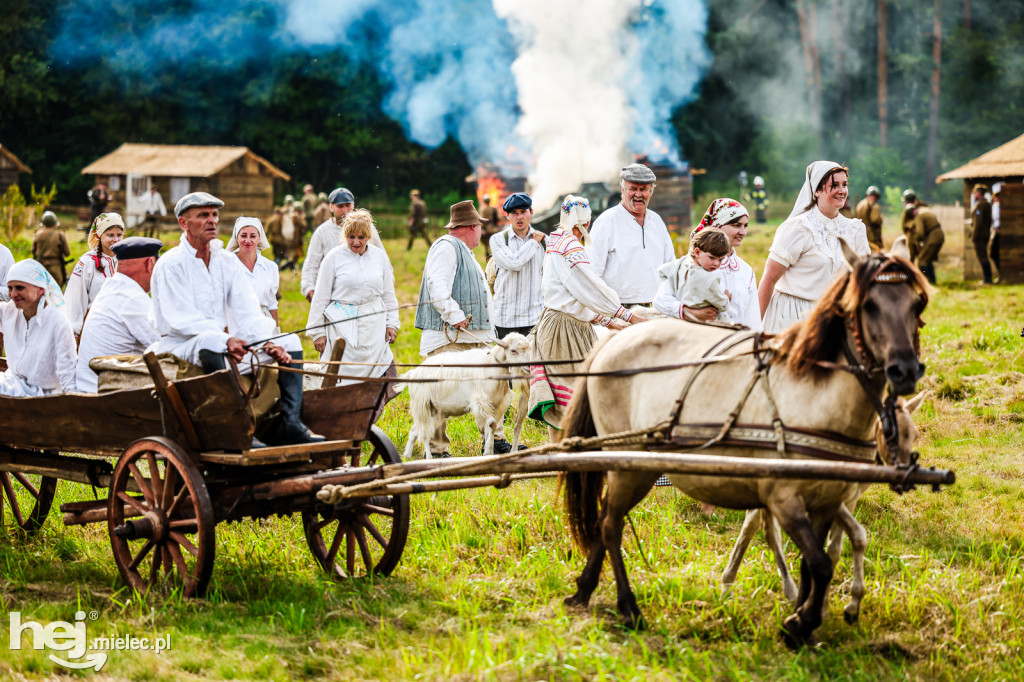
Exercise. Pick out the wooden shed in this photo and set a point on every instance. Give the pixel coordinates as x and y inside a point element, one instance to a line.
<point>1004,164</point>
<point>243,180</point>
<point>10,168</point>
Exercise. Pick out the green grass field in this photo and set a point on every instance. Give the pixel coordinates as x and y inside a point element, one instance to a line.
<point>478,594</point>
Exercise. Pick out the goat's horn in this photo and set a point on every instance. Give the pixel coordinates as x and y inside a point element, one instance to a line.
<point>501,342</point>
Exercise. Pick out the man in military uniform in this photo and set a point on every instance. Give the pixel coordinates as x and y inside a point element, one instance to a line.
<point>870,213</point>
<point>907,223</point>
<point>417,219</point>
<point>927,235</point>
<point>309,202</point>
<point>981,230</point>
<point>50,247</point>
<point>760,200</point>
<point>493,224</point>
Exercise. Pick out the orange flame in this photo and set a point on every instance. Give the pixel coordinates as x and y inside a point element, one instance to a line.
<point>490,184</point>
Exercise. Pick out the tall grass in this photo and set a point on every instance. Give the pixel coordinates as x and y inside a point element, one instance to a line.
<point>479,592</point>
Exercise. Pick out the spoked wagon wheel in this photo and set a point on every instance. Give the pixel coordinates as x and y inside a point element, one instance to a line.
<point>29,496</point>
<point>362,535</point>
<point>169,526</point>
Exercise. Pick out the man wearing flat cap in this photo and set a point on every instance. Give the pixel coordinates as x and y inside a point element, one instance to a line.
<point>455,304</point>
<point>981,230</point>
<point>119,319</point>
<point>629,242</point>
<point>518,261</point>
<point>328,235</point>
<point>200,291</point>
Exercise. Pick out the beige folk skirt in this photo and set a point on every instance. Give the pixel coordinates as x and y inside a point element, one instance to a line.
<point>783,310</point>
<point>557,336</point>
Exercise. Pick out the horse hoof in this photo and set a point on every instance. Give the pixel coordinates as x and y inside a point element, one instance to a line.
<point>850,617</point>
<point>576,600</point>
<point>792,634</point>
<point>635,623</point>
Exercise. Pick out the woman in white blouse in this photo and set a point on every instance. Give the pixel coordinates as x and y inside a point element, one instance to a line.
<point>729,216</point>
<point>354,299</point>
<point>247,241</point>
<point>93,269</point>
<point>575,299</point>
<point>806,254</point>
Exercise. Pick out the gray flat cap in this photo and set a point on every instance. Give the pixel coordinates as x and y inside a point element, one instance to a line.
<point>638,173</point>
<point>195,200</point>
<point>342,196</point>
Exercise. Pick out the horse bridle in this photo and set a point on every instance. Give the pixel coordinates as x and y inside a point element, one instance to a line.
<point>865,370</point>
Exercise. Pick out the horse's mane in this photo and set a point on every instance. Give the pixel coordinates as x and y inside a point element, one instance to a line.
<point>817,337</point>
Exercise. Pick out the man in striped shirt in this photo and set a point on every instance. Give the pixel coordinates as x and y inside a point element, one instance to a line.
<point>518,258</point>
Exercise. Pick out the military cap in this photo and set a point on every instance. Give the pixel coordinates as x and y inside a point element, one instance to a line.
<point>517,200</point>
<point>49,219</point>
<point>980,188</point>
<point>196,200</point>
<point>342,196</point>
<point>137,247</point>
<point>909,195</point>
<point>638,173</point>
<point>874,191</point>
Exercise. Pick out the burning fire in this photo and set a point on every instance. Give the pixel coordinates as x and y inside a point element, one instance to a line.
<point>490,184</point>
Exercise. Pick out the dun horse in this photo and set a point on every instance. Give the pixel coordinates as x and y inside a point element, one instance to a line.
<point>821,381</point>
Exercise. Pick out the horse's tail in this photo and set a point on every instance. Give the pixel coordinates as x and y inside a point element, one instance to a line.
<point>582,488</point>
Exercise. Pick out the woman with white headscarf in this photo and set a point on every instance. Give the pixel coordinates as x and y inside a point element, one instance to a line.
<point>731,217</point>
<point>575,299</point>
<point>247,241</point>
<point>93,269</point>
<point>806,254</point>
<point>37,338</point>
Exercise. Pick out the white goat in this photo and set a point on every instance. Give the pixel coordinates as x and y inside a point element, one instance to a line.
<point>487,399</point>
<point>844,523</point>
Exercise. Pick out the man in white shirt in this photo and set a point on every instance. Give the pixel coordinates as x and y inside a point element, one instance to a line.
<point>519,262</point>
<point>154,204</point>
<point>6,261</point>
<point>326,236</point>
<point>629,242</point>
<point>198,291</point>
<point>118,321</point>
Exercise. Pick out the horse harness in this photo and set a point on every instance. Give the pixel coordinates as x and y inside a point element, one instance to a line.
<point>777,436</point>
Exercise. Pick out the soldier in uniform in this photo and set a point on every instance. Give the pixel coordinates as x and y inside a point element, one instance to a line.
<point>981,230</point>
<point>870,213</point>
<point>907,222</point>
<point>50,247</point>
<point>927,235</point>
<point>417,219</point>
<point>759,198</point>
<point>492,226</point>
<point>309,203</point>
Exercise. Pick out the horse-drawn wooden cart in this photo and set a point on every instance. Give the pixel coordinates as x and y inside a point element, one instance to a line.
<point>182,462</point>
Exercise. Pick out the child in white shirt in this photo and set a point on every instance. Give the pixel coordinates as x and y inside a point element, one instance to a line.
<point>692,277</point>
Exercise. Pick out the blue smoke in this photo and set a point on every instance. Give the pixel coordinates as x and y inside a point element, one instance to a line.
<point>448,62</point>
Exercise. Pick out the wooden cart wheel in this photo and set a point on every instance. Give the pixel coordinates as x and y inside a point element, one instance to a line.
<point>169,526</point>
<point>362,535</point>
<point>29,497</point>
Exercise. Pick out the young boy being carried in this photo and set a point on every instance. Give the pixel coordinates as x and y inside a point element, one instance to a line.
<point>692,277</point>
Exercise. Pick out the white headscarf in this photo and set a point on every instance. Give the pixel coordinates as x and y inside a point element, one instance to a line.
<point>32,272</point>
<point>575,213</point>
<point>815,172</point>
<point>245,221</point>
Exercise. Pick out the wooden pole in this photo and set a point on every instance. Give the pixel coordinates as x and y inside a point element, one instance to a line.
<point>168,393</point>
<point>337,351</point>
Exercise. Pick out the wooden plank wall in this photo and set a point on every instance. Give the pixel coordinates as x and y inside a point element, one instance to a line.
<point>1011,247</point>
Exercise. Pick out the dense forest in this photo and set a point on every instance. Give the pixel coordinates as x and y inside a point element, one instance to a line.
<point>899,90</point>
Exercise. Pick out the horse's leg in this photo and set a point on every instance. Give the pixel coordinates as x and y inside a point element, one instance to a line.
<point>751,522</point>
<point>587,581</point>
<point>774,539</point>
<point>625,490</point>
<point>859,543</point>
<point>815,566</point>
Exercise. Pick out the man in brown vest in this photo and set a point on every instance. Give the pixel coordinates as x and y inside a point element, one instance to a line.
<point>50,247</point>
<point>869,212</point>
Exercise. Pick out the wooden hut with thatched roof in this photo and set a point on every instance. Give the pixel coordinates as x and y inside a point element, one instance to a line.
<point>10,168</point>
<point>243,180</point>
<point>1005,165</point>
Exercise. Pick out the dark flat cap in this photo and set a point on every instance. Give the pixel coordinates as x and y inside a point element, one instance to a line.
<point>137,247</point>
<point>196,200</point>
<point>342,196</point>
<point>638,173</point>
<point>517,200</point>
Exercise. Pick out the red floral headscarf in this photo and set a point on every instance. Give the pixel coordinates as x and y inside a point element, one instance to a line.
<point>720,212</point>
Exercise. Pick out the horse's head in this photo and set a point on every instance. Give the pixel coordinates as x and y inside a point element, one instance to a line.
<point>882,304</point>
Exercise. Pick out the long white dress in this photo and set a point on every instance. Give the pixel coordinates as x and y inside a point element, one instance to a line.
<point>357,294</point>
<point>41,352</point>
<point>265,278</point>
<point>84,286</point>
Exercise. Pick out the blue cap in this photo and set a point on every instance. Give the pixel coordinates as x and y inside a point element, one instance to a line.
<point>341,196</point>
<point>517,200</point>
<point>137,247</point>
<point>196,200</point>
